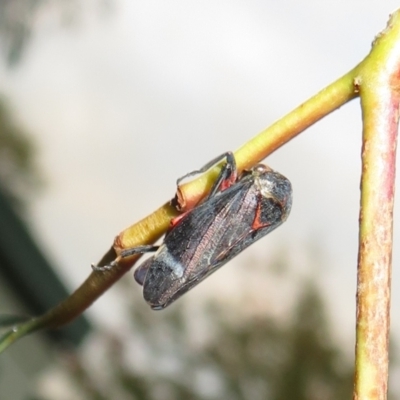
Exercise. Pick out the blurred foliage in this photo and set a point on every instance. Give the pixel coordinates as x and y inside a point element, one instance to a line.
<point>19,175</point>
<point>252,356</point>
<point>18,172</point>
<point>16,23</point>
<point>259,357</point>
<point>19,18</point>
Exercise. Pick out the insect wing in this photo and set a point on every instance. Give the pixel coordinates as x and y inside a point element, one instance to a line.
<point>214,232</point>
<point>264,207</point>
<point>274,212</point>
<point>185,257</point>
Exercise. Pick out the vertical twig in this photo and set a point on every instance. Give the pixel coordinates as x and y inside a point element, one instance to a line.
<point>378,83</point>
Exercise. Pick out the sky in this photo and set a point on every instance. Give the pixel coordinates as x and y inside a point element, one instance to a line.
<point>126,100</point>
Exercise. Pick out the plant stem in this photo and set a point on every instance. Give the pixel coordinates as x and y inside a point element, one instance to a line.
<point>378,83</point>
<point>149,229</point>
<point>282,131</point>
<point>152,227</point>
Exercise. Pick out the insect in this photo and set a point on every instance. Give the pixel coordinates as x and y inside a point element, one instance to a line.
<point>237,212</point>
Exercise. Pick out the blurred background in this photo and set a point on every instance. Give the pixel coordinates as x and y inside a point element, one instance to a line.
<point>103,104</point>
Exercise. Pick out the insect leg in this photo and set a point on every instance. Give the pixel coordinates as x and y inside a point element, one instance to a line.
<point>126,253</point>
<point>226,178</point>
<point>138,250</point>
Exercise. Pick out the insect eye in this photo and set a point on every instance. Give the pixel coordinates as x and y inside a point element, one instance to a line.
<point>261,168</point>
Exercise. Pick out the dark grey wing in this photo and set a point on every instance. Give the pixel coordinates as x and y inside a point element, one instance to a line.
<point>208,237</point>
<point>210,227</point>
<point>268,218</point>
<point>185,257</point>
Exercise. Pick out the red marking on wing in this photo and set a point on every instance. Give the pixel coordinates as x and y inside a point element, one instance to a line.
<point>257,224</point>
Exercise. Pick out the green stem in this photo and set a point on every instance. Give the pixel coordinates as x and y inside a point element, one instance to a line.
<point>152,227</point>
<point>378,82</point>
<point>282,131</point>
<point>18,332</point>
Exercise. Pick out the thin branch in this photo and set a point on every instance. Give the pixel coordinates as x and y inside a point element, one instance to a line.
<point>378,83</point>
<point>152,227</point>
